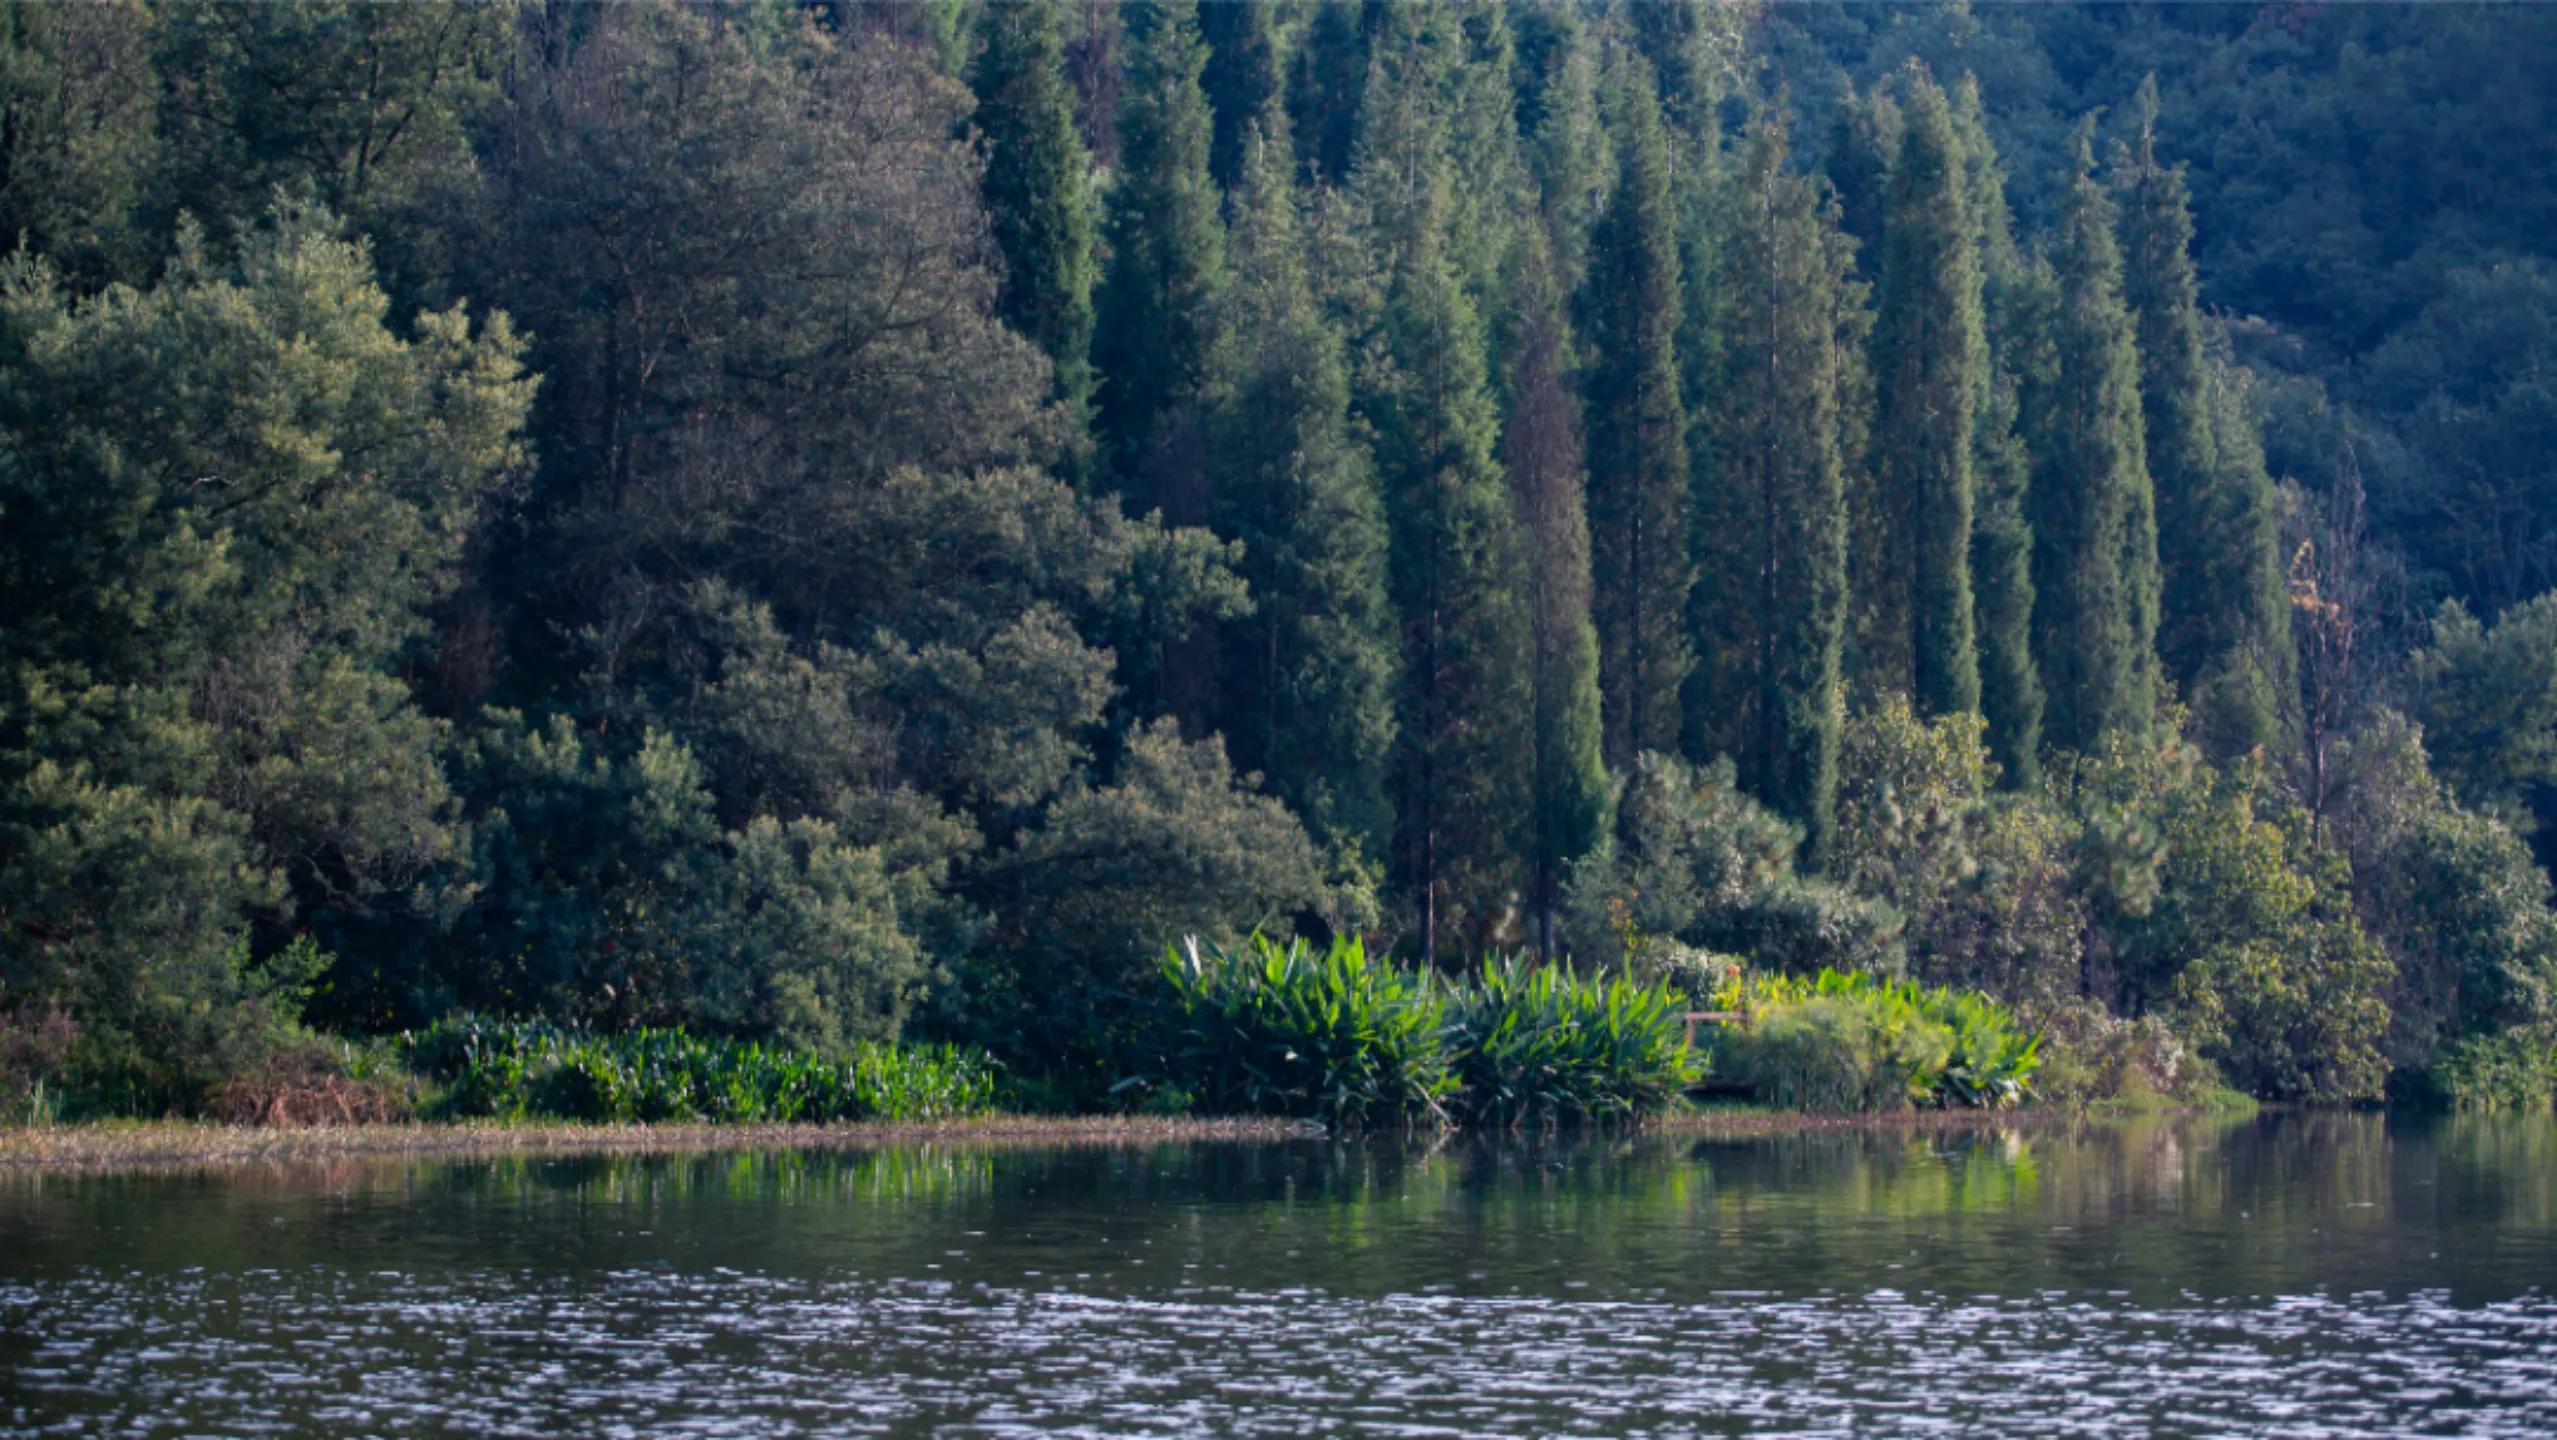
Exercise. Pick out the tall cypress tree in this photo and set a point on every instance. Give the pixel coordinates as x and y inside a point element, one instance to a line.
<point>1167,261</point>
<point>1637,437</point>
<point>2001,536</point>
<point>2158,283</point>
<point>1864,148</point>
<point>1777,525</point>
<point>1310,695</point>
<point>2094,530</point>
<point>1241,79</point>
<point>1542,448</point>
<point>2244,697</point>
<point>1038,188</point>
<point>1458,578</point>
<point>1931,370</point>
<point>2223,631</point>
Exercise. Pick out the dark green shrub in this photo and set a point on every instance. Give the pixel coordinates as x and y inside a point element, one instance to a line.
<point>1542,1042</point>
<point>1332,1034</point>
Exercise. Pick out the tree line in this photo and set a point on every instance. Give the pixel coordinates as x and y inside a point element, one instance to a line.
<point>830,521</point>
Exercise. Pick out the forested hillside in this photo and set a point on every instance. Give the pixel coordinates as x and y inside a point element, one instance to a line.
<point>833,522</point>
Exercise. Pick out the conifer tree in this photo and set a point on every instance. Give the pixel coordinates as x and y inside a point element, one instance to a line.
<point>1490,186</point>
<point>2159,286</point>
<point>1864,148</point>
<point>1569,151</point>
<point>1931,371</point>
<point>1167,261</point>
<point>1458,579</point>
<point>1241,79</point>
<point>2094,531</point>
<point>1638,480</point>
<point>1310,690</point>
<point>2001,535</point>
<point>1326,85</point>
<point>2223,631</point>
<point>1777,522</point>
<point>1038,190</point>
<point>1542,448</point>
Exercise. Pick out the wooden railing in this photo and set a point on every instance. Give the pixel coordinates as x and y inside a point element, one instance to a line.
<point>1719,1017</point>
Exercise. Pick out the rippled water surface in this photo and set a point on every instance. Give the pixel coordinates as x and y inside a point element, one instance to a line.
<point>2327,1275</point>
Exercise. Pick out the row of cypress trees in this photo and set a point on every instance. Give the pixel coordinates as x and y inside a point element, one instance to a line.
<point>1557,427</point>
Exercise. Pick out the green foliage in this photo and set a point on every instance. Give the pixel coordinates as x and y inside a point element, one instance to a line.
<point>1984,880</point>
<point>2514,1070</point>
<point>2094,527</point>
<point>1309,674</point>
<point>1931,374</point>
<point>1774,534</point>
<point>1543,453</point>
<point>1541,1042</point>
<point>1457,572</point>
<point>609,892</point>
<point>1638,477</point>
<point>512,1070</point>
<point>2214,902</point>
<point>1038,188</point>
<point>1692,860</point>
<point>2487,697</point>
<point>1335,1035</point>
<point>1167,257</point>
<point>78,87</point>
<point>1855,1042</point>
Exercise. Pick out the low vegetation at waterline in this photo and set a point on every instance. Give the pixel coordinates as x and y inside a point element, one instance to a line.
<point>1348,1038</point>
<point>1859,1042</point>
<point>516,1069</point>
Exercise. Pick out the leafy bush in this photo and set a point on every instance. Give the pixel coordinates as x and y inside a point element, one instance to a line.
<point>2508,1071</point>
<point>513,1069</point>
<point>2090,1056</point>
<point>1333,1034</point>
<point>1542,1041</point>
<point>1857,1042</point>
<point>1693,860</point>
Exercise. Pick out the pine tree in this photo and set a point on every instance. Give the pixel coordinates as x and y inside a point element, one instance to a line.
<point>1542,448</point>
<point>1931,370</point>
<point>2223,634</point>
<point>1037,188</point>
<point>1458,578</point>
<point>1777,522</point>
<point>1241,79</point>
<point>2001,536</point>
<point>2094,531</point>
<point>1638,477</point>
<point>1167,262</point>
<point>1310,698</point>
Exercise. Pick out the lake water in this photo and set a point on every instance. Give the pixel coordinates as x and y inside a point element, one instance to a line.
<point>2288,1275</point>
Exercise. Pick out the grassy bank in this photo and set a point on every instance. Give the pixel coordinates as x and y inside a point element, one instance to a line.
<point>168,1144</point>
<point>122,1144</point>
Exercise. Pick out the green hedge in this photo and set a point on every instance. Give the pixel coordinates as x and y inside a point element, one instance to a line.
<point>511,1069</point>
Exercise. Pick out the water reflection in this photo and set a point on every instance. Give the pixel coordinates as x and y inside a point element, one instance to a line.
<point>2328,1274</point>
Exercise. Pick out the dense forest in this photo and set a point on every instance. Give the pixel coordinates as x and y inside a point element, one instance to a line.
<point>839,522</point>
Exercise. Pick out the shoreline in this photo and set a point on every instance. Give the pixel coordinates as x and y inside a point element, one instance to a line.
<point>163,1144</point>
